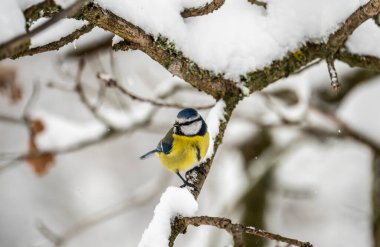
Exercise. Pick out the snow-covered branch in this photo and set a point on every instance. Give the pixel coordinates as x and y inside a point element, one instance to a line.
<point>229,76</point>
<point>22,42</point>
<point>166,53</point>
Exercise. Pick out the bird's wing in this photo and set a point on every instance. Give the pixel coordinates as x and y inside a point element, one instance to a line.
<point>166,144</point>
<point>148,154</point>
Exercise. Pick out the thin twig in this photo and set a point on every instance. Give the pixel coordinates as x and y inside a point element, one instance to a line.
<point>258,3</point>
<point>56,45</point>
<point>80,90</point>
<point>361,61</point>
<point>204,10</point>
<point>110,82</point>
<point>48,233</point>
<point>347,130</point>
<point>11,119</point>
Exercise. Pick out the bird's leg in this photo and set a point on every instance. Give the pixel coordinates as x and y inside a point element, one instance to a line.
<point>197,169</point>
<point>185,182</point>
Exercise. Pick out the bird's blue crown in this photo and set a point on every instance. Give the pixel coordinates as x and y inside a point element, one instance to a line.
<point>187,113</point>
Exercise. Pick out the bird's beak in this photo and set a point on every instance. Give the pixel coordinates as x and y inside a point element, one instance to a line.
<point>176,124</point>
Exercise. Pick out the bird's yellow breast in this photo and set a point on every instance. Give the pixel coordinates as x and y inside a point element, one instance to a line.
<point>183,155</point>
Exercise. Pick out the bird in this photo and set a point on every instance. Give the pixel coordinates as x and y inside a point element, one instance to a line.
<point>185,145</point>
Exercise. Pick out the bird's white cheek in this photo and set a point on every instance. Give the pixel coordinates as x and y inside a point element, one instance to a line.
<point>191,129</point>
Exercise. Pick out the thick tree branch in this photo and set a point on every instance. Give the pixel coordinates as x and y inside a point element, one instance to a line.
<point>162,51</point>
<point>166,54</point>
<point>204,10</point>
<point>238,229</point>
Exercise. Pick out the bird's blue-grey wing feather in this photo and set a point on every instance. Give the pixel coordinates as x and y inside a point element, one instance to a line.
<point>148,154</point>
<point>166,144</point>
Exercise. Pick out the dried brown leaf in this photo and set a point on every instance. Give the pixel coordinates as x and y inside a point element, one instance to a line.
<point>40,162</point>
<point>9,86</point>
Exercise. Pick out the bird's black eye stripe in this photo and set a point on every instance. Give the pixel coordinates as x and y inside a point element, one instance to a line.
<point>188,123</point>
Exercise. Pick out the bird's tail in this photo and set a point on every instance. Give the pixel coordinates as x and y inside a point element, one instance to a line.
<point>149,154</point>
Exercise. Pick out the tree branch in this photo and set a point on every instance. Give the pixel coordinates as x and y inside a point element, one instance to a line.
<point>167,55</point>
<point>82,95</point>
<point>199,174</point>
<point>204,10</point>
<point>238,229</point>
<point>46,8</point>
<point>112,83</point>
<point>362,61</point>
<point>56,45</point>
<point>367,11</point>
<point>258,3</point>
<point>21,43</point>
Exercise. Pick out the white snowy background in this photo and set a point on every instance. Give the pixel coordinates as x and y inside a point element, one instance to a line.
<point>237,38</point>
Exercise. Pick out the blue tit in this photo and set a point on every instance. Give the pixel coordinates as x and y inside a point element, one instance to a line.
<point>185,144</point>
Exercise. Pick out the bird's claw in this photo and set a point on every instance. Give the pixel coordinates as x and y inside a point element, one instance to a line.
<point>189,185</point>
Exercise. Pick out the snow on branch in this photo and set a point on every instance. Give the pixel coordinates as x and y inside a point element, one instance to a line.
<point>167,53</point>
<point>215,117</point>
<point>174,202</point>
<point>21,43</point>
<point>217,122</point>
